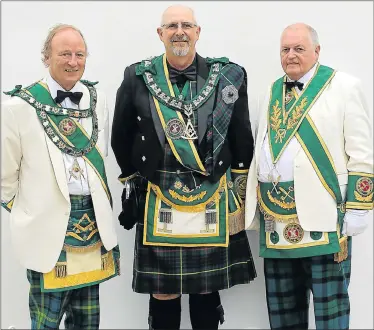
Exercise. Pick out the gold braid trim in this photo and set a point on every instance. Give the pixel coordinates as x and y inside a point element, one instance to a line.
<point>190,208</point>
<point>81,249</point>
<point>270,215</point>
<point>283,205</point>
<point>360,198</point>
<point>123,180</point>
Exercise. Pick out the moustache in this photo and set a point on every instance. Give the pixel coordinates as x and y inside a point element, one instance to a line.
<point>179,39</point>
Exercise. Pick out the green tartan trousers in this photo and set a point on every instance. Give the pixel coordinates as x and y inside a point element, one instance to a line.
<point>81,306</point>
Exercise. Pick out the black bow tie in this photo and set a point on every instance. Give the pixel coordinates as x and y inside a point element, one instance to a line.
<point>74,97</point>
<point>176,76</point>
<point>290,84</point>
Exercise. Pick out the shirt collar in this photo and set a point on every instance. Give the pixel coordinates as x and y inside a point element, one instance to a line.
<point>306,77</point>
<point>54,86</point>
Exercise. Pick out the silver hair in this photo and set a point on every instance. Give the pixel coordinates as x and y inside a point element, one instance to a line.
<point>313,35</point>
<point>46,49</point>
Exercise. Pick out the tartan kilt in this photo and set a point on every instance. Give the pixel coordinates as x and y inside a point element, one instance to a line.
<point>191,270</point>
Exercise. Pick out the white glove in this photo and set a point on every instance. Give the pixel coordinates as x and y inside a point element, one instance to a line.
<point>356,221</point>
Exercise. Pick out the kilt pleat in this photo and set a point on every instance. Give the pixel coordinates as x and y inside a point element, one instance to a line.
<point>185,270</point>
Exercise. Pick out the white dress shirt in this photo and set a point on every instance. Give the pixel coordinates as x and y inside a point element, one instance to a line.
<point>76,186</point>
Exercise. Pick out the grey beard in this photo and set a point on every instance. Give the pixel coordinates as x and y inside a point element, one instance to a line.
<point>180,51</point>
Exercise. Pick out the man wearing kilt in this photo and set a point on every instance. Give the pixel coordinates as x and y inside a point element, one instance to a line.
<point>313,176</point>
<point>53,182</point>
<point>181,136</point>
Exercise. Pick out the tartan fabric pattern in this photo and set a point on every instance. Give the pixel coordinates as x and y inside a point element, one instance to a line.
<point>288,285</point>
<point>81,306</point>
<point>184,270</point>
<point>81,202</point>
<point>219,121</point>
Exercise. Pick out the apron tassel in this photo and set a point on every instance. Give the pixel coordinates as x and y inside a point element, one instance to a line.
<point>104,261</point>
<point>61,270</point>
<point>343,253</point>
<point>210,216</point>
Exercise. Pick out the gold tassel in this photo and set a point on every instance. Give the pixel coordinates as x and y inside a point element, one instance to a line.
<point>82,249</point>
<point>104,261</point>
<point>343,254</point>
<point>237,221</point>
<point>61,270</point>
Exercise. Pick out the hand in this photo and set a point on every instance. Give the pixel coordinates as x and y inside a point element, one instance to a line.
<point>355,222</point>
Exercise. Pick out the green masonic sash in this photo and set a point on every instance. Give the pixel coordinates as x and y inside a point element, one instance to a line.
<point>284,118</point>
<point>293,120</point>
<point>67,134</point>
<point>172,121</point>
<point>170,104</point>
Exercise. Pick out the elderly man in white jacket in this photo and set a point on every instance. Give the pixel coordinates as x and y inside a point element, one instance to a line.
<point>310,185</point>
<point>54,137</point>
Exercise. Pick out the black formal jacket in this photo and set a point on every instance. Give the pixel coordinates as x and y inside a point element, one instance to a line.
<point>138,138</point>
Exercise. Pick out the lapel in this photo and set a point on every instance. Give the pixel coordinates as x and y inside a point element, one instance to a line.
<point>206,109</point>
<point>262,129</point>
<point>57,162</point>
<point>156,121</point>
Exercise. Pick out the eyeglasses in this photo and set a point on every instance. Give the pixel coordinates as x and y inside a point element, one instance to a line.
<point>182,25</point>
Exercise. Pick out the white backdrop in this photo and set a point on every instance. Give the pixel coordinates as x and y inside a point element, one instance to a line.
<point>120,33</point>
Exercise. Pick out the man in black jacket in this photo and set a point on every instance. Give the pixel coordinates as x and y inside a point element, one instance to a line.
<point>182,138</point>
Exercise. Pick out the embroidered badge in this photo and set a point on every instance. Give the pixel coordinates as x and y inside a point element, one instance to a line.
<point>67,126</point>
<point>364,189</point>
<point>230,94</point>
<point>315,235</point>
<point>274,237</point>
<point>287,201</point>
<point>178,185</point>
<point>288,97</point>
<point>293,233</point>
<point>76,172</point>
<point>240,184</point>
<point>175,129</point>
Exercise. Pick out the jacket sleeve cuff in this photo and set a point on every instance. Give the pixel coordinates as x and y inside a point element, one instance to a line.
<point>127,178</point>
<point>360,191</point>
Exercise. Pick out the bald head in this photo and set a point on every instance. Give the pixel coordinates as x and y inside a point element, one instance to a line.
<point>177,13</point>
<point>302,28</point>
<point>179,32</point>
<point>299,50</point>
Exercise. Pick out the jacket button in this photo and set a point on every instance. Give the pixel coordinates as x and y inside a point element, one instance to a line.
<point>139,118</point>
<point>143,138</point>
<point>143,158</point>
